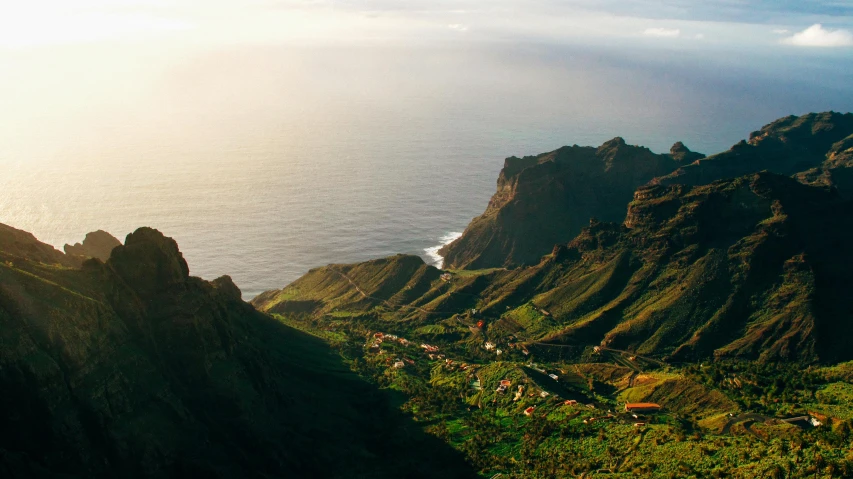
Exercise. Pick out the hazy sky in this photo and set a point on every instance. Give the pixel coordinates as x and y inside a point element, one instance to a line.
<point>779,24</point>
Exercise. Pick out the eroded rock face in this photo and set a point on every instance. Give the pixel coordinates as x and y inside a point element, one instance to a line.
<point>97,244</point>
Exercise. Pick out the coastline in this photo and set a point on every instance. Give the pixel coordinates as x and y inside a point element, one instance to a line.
<point>431,254</point>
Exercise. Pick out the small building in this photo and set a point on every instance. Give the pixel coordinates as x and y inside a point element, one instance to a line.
<point>544,394</point>
<point>498,352</point>
<point>501,389</point>
<point>554,377</point>
<point>642,407</point>
<point>570,402</point>
<point>639,424</point>
<point>506,382</point>
<point>529,411</point>
<point>446,277</point>
<point>399,365</point>
<point>489,346</point>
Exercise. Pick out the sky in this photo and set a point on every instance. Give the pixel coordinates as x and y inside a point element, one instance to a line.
<point>780,25</point>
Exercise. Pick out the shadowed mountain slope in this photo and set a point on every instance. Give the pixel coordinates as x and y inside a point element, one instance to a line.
<point>133,368</point>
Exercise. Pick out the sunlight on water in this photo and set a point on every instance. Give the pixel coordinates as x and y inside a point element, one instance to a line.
<point>264,162</point>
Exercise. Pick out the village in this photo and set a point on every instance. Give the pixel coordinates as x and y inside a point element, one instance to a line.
<point>401,353</point>
<point>538,388</point>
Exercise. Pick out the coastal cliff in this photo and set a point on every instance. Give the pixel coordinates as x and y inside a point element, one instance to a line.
<point>546,199</point>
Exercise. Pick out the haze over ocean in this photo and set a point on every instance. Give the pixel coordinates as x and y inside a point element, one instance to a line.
<point>263,161</point>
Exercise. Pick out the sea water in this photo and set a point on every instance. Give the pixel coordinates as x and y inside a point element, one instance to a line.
<point>264,162</point>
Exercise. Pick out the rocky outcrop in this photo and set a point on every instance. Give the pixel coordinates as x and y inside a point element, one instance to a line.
<point>546,199</point>
<point>98,244</point>
<point>680,153</point>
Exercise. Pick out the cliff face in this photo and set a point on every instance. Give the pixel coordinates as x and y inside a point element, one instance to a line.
<point>98,244</point>
<point>546,199</point>
<point>133,368</point>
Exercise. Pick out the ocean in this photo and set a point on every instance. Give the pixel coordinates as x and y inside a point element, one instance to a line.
<point>264,162</point>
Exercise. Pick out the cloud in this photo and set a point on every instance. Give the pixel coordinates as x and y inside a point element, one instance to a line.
<point>817,36</point>
<point>662,32</point>
<point>699,36</point>
<point>781,31</point>
<point>458,27</point>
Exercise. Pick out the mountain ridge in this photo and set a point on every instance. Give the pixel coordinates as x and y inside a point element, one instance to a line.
<point>554,194</point>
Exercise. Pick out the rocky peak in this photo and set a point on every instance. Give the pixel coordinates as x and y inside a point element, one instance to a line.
<point>226,285</point>
<point>97,244</point>
<point>149,261</point>
<point>680,153</point>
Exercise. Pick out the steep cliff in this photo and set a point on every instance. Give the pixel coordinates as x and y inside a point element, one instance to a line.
<point>546,199</point>
<point>133,368</point>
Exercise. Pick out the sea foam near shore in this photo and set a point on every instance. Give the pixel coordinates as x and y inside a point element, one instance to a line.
<point>432,255</point>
